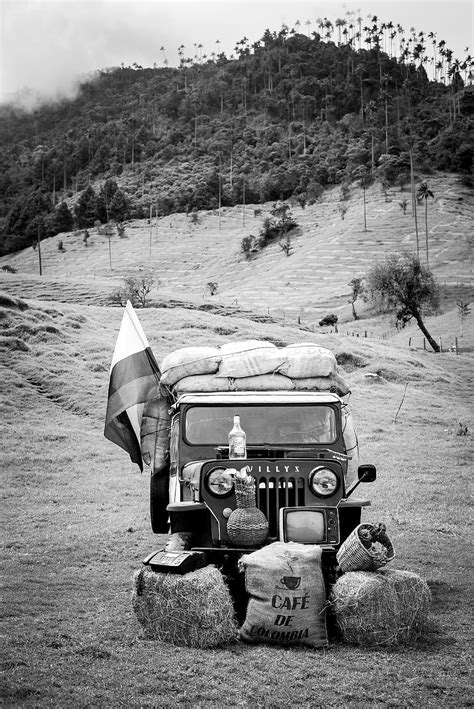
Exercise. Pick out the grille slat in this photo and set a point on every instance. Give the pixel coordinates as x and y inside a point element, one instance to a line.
<point>274,493</point>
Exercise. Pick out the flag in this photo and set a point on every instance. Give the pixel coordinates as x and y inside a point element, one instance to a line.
<point>134,379</point>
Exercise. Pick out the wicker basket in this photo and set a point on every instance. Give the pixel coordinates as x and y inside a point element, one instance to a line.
<point>247,526</point>
<point>354,556</point>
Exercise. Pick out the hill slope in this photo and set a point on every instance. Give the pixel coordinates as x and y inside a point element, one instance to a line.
<point>78,526</point>
<point>328,252</point>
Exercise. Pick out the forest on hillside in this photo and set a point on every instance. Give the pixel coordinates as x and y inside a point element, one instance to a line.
<point>285,117</point>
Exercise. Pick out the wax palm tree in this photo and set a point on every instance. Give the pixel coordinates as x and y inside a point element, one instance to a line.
<point>339,24</point>
<point>423,192</point>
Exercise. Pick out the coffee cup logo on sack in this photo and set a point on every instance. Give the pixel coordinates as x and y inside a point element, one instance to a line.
<point>291,582</point>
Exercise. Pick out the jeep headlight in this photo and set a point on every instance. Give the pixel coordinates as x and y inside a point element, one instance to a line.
<point>323,482</point>
<point>219,481</point>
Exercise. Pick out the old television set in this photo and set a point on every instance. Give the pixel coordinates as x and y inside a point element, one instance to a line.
<point>310,525</point>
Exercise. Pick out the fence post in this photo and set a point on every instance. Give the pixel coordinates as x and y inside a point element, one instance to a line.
<point>424,344</point>
<point>456,345</point>
<point>365,334</point>
<point>440,344</point>
<point>409,342</point>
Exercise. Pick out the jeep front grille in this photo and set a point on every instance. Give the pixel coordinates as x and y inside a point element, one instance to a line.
<point>273,493</point>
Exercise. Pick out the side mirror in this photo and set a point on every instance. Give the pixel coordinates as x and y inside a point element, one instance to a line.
<point>367,473</point>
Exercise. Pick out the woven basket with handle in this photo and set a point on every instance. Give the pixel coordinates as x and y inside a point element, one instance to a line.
<point>354,556</point>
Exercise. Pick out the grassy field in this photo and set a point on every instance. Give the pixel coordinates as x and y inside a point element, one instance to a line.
<point>75,510</point>
<point>76,525</point>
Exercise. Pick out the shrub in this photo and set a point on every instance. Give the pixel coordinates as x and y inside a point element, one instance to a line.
<point>249,246</point>
<point>135,289</point>
<point>278,225</point>
<point>330,319</point>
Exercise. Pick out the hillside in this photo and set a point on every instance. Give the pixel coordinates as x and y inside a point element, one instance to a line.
<point>287,118</point>
<point>77,522</point>
<point>328,252</point>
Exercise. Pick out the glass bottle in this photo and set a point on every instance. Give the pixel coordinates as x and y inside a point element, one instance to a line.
<point>237,440</point>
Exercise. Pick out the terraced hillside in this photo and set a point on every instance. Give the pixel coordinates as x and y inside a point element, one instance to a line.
<point>328,251</point>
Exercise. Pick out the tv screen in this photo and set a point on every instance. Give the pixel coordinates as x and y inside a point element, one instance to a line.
<point>309,525</point>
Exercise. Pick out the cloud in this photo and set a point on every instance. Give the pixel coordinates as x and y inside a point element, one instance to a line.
<point>47,45</point>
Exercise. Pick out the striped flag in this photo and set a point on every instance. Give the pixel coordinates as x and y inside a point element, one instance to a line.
<point>134,379</point>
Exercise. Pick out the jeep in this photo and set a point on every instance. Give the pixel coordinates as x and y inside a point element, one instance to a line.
<point>295,452</point>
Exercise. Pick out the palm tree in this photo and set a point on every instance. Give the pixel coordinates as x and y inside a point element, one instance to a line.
<point>340,23</point>
<point>423,192</point>
<point>329,29</point>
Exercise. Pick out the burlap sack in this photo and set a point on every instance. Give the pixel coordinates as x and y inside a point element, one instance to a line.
<point>187,362</point>
<point>334,383</point>
<point>202,382</point>
<point>249,359</point>
<point>264,382</point>
<point>287,596</point>
<point>155,434</point>
<point>308,360</point>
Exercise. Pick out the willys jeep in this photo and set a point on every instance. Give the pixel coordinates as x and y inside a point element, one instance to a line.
<point>297,454</point>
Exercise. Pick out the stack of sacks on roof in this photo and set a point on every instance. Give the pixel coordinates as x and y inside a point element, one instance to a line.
<point>256,365</point>
<point>252,365</point>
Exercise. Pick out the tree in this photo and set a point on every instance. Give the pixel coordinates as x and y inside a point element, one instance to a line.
<point>423,192</point>
<point>85,209</point>
<point>363,175</point>
<point>403,205</point>
<point>137,288</point>
<point>286,245</point>
<point>401,285</point>
<point>62,219</point>
<point>463,312</point>
<point>357,288</point>
<point>119,208</point>
<point>278,225</point>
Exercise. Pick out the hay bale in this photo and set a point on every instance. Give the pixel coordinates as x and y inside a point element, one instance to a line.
<point>193,610</point>
<point>388,607</point>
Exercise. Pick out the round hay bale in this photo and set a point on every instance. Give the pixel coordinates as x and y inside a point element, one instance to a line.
<point>192,610</point>
<point>388,607</point>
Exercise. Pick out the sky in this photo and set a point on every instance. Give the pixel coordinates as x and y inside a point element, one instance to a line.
<point>48,45</point>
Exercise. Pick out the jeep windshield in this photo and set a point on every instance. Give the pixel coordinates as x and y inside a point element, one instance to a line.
<point>264,425</point>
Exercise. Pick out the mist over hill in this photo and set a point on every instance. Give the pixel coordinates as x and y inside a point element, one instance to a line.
<point>290,117</point>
